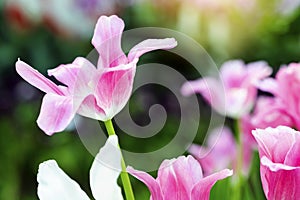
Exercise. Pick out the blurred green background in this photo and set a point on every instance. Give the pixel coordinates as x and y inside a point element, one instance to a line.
<point>46,34</point>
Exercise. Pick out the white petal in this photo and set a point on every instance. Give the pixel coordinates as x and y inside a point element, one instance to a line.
<point>55,184</point>
<point>105,171</point>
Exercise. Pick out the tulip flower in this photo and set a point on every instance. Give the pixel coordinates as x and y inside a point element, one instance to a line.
<point>53,183</point>
<point>95,92</point>
<point>286,87</point>
<point>180,178</point>
<point>268,112</point>
<point>220,151</point>
<point>279,151</point>
<point>235,93</point>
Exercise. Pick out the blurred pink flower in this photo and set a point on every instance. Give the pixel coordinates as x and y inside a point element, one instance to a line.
<point>279,151</point>
<point>268,112</point>
<point>285,87</point>
<point>238,81</point>
<point>220,151</point>
<point>180,178</point>
<point>98,93</point>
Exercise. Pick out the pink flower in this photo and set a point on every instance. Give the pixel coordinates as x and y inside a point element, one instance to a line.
<point>98,93</point>
<point>238,81</point>
<point>286,88</point>
<point>270,112</point>
<point>180,179</point>
<point>220,152</point>
<point>279,151</point>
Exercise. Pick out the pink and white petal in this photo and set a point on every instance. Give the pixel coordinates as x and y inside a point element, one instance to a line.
<point>205,158</point>
<point>233,73</point>
<point>201,190</point>
<point>114,89</point>
<point>53,183</point>
<point>166,178</point>
<point>222,147</point>
<point>66,74</point>
<point>89,108</point>
<point>274,167</point>
<point>274,143</point>
<point>188,173</point>
<point>107,41</point>
<point>105,171</point>
<point>149,181</point>
<point>239,101</point>
<point>258,70</point>
<point>293,155</point>
<point>77,76</point>
<point>150,45</point>
<point>268,85</point>
<point>56,113</point>
<point>36,79</point>
<point>211,89</point>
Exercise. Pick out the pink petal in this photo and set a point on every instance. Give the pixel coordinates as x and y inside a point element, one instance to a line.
<point>151,45</point>
<point>107,41</point>
<point>89,108</point>
<point>274,167</point>
<point>36,79</point>
<point>293,155</point>
<point>233,73</point>
<point>202,189</point>
<point>282,184</point>
<point>150,182</point>
<point>56,113</point>
<point>258,70</point>
<point>167,180</point>
<point>66,74</point>
<point>210,89</point>
<point>114,88</point>
<point>274,143</point>
<point>77,76</point>
<point>188,172</point>
<point>268,85</point>
<point>270,112</point>
<point>205,157</point>
<point>240,101</point>
<point>219,152</point>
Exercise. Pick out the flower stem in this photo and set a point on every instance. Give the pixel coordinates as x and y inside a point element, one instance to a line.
<point>124,175</point>
<point>239,163</point>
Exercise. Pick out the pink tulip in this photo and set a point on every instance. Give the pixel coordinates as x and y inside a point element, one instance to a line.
<point>270,112</point>
<point>220,151</point>
<point>286,88</point>
<point>279,151</point>
<point>180,179</point>
<point>238,81</point>
<point>95,92</point>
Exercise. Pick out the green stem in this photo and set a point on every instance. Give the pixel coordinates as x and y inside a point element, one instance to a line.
<point>239,165</point>
<point>124,175</point>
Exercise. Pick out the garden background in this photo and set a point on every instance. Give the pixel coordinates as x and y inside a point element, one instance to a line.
<point>48,33</point>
